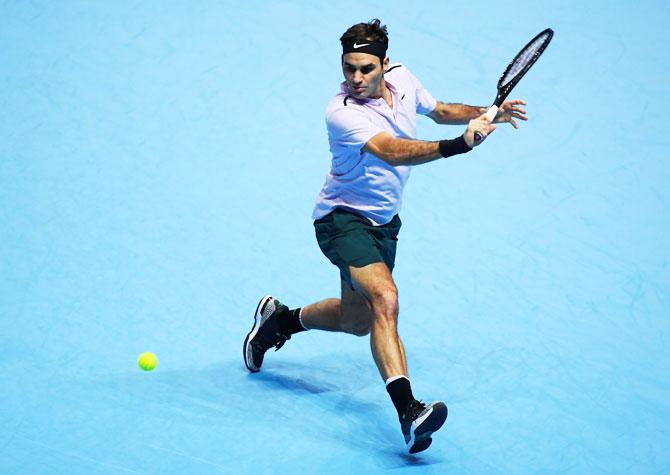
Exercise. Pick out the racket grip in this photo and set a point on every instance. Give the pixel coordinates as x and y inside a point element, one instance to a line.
<point>490,115</point>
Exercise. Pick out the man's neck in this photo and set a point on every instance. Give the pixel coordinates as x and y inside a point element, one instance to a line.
<point>385,93</point>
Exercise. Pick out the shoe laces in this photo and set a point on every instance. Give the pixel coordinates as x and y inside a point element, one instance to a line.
<point>281,340</point>
<point>414,408</point>
<point>265,343</point>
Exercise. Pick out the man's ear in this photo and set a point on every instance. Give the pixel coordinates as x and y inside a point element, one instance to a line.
<point>385,64</point>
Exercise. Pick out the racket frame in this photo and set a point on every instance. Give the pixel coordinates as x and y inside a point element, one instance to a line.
<point>505,89</point>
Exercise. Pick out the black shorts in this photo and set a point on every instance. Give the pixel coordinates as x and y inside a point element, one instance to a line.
<point>348,239</point>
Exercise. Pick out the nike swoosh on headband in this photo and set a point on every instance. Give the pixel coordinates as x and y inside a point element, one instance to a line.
<point>356,45</point>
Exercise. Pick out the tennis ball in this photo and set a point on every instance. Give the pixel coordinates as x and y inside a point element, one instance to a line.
<point>147,361</point>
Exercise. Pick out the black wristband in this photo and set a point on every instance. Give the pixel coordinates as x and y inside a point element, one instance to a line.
<point>453,147</point>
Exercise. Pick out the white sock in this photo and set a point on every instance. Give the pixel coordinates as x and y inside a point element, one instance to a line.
<point>300,318</point>
<point>393,378</point>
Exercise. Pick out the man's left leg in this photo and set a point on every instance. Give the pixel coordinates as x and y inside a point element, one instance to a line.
<point>418,421</point>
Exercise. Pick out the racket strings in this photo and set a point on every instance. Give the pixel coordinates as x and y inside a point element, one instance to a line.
<point>527,56</point>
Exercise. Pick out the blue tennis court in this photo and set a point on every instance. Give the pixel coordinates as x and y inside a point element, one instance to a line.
<point>159,163</point>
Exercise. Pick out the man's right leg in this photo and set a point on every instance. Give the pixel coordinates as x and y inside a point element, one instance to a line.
<point>274,323</point>
<point>351,313</point>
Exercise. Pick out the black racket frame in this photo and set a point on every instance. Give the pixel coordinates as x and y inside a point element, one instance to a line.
<point>503,91</point>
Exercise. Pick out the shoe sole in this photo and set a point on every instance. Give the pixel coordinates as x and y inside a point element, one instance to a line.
<point>424,427</point>
<point>258,320</point>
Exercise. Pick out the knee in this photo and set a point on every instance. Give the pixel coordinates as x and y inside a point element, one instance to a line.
<point>362,329</point>
<point>385,302</point>
<point>358,324</point>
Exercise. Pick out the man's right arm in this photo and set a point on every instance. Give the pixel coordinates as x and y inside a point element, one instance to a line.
<point>455,114</point>
<point>395,151</point>
<point>402,151</point>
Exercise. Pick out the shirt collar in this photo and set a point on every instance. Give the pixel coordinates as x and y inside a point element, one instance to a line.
<point>344,89</point>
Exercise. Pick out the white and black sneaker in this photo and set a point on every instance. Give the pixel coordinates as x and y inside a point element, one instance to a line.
<point>419,421</point>
<point>265,333</point>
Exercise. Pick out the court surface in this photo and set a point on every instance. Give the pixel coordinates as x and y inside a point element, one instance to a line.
<point>158,166</point>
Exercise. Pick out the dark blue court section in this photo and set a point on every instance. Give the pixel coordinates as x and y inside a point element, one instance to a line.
<point>158,166</point>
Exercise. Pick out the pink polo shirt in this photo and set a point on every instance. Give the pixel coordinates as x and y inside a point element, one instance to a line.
<point>359,181</point>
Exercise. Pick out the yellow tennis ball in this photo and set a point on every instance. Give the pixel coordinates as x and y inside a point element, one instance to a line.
<point>147,361</point>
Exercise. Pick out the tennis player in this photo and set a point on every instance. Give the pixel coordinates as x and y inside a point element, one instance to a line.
<point>371,125</point>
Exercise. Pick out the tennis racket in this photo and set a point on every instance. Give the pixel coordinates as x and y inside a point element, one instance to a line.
<point>519,66</point>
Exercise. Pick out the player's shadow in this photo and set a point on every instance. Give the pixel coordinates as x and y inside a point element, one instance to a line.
<point>370,430</point>
<point>277,379</point>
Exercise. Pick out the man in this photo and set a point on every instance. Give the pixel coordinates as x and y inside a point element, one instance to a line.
<point>371,129</point>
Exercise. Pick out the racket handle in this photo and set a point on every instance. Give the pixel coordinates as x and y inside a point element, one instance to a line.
<point>490,115</point>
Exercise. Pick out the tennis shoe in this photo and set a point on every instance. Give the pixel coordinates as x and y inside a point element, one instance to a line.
<point>419,421</point>
<point>265,333</point>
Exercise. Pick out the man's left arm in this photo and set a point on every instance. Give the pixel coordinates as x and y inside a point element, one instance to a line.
<point>456,114</point>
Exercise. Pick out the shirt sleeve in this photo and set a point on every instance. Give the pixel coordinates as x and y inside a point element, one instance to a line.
<point>350,127</point>
<point>425,102</point>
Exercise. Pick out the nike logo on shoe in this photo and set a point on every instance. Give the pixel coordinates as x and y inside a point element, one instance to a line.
<point>356,45</point>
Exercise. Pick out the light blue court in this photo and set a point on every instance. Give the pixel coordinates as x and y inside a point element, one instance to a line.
<point>158,166</point>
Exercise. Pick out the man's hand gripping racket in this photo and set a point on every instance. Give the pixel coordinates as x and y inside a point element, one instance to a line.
<point>519,66</point>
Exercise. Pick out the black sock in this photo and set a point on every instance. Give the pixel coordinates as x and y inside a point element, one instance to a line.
<point>401,394</point>
<point>289,322</point>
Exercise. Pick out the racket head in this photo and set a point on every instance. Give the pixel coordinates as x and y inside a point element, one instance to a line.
<point>521,63</point>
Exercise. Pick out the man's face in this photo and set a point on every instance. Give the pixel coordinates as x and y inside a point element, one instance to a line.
<point>363,73</point>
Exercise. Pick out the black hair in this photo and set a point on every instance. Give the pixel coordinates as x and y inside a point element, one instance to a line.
<point>370,31</point>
